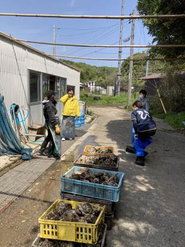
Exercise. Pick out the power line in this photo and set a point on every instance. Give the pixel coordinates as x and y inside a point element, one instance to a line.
<point>105,46</point>
<point>94,39</point>
<point>122,59</point>
<point>87,29</point>
<point>103,35</point>
<point>96,50</point>
<point>78,34</point>
<point>129,17</point>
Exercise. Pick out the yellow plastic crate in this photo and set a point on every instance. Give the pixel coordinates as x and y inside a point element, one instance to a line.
<point>88,150</point>
<point>70,231</point>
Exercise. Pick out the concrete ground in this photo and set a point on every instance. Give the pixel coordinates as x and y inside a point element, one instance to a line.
<point>151,207</point>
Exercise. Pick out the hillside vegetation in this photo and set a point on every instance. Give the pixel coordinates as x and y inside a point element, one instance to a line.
<point>106,76</point>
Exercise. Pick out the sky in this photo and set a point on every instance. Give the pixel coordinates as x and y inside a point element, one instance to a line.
<point>74,30</point>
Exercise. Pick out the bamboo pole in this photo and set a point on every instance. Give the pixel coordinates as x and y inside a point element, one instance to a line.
<point>164,109</point>
<point>129,17</point>
<point>104,46</point>
<point>122,59</point>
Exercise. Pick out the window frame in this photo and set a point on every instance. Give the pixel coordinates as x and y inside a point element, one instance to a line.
<point>38,87</point>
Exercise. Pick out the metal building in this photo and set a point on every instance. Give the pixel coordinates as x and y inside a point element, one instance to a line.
<point>27,73</point>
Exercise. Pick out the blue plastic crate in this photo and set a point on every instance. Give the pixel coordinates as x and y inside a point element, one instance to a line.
<point>100,191</point>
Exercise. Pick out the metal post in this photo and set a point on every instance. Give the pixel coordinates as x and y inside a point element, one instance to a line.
<point>131,63</point>
<point>54,41</point>
<point>117,86</point>
<point>147,64</point>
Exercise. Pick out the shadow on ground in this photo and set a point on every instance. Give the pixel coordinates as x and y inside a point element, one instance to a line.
<point>150,211</point>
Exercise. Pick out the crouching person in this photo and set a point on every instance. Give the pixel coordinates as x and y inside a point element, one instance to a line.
<point>52,125</point>
<point>144,127</point>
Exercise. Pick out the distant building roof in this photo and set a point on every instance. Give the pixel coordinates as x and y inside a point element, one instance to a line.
<point>159,76</point>
<point>153,76</point>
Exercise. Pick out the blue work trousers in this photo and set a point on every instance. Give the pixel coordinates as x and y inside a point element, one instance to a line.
<point>141,145</point>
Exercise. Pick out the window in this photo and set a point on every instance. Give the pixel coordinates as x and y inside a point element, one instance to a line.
<point>45,85</point>
<point>34,87</point>
<point>61,86</point>
<point>48,83</point>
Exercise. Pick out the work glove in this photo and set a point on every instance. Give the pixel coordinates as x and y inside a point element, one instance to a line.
<point>57,129</point>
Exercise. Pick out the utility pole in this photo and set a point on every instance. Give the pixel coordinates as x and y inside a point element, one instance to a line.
<point>147,64</point>
<point>118,81</point>
<point>54,40</point>
<point>131,63</point>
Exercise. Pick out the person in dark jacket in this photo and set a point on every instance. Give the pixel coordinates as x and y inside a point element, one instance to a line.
<point>144,100</point>
<point>51,124</point>
<point>144,127</point>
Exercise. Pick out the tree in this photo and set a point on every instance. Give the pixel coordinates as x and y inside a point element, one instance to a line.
<point>164,31</point>
<point>139,68</point>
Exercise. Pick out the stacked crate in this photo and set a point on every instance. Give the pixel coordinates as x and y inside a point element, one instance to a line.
<point>76,192</point>
<point>94,193</point>
<point>72,232</point>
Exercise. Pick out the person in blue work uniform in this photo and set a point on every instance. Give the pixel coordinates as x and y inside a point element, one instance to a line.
<point>144,127</point>
<point>145,105</point>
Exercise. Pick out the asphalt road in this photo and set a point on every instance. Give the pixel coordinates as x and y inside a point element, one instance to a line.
<point>151,208</point>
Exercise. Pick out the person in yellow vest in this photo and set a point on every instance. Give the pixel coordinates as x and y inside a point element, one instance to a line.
<point>70,110</point>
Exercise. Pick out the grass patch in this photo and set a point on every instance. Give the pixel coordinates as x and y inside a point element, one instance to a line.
<point>105,100</point>
<point>173,119</point>
<point>89,112</point>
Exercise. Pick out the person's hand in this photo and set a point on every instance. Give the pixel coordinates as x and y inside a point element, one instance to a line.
<point>57,129</point>
<point>135,136</point>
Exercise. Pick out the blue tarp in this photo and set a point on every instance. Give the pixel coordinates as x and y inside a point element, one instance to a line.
<point>9,142</point>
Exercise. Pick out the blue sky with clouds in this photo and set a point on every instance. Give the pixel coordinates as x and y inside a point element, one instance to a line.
<point>73,30</point>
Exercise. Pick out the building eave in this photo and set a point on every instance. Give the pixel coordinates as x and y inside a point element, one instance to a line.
<point>36,50</point>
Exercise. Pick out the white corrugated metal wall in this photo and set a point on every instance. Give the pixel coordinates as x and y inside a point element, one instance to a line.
<point>14,56</point>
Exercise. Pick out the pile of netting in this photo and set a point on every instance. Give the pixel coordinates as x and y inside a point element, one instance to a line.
<point>9,142</point>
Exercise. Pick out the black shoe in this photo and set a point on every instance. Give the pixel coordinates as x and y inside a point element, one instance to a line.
<point>50,156</point>
<point>57,157</point>
<point>130,149</point>
<point>43,153</point>
<point>140,161</point>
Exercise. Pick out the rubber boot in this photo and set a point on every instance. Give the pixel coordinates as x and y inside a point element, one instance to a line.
<point>140,161</point>
<point>130,149</point>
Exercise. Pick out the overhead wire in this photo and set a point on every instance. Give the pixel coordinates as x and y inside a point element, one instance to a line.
<point>78,34</point>
<point>98,50</point>
<point>94,39</point>
<point>103,36</point>
<point>73,50</point>
<point>83,29</point>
